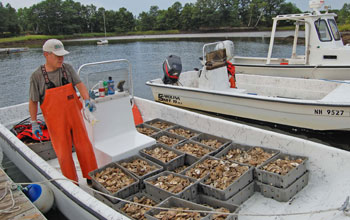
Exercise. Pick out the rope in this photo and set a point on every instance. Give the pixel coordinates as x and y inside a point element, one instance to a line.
<point>344,207</point>
<point>12,208</point>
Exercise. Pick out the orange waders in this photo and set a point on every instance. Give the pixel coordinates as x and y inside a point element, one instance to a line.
<point>62,112</point>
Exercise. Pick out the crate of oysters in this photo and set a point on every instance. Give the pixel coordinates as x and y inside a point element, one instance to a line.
<point>179,209</point>
<point>226,179</point>
<point>202,167</point>
<point>147,129</point>
<point>194,150</point>
<point>212,141</point>
<point>188,162</point>
<point>163,155</point>
<point>282,170</point>
<point>140,167</point>
<point>218,206</point>
<point>168,139</point>
<point>160,124</point>
<point>249,155</point>
<point>183,131</point>
<point>133,210</point>
<point>114,180</point>
<point>168,183</point>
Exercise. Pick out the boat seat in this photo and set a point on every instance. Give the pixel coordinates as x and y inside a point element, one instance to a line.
<point>114,134</point>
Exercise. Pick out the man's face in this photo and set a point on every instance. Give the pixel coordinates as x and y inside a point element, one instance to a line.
<point>53,60</point>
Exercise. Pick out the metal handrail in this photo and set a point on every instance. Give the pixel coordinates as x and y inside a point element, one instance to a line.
<point>107,62</point>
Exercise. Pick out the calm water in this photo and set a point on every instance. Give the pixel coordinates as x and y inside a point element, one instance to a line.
<point>146,58</point>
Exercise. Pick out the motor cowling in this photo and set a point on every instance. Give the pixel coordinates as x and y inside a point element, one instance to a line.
<point>172,68</point>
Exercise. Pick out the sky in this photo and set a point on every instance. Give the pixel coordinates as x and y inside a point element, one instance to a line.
<point>138,6</point>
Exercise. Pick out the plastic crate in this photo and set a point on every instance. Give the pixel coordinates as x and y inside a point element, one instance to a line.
<point>123,192</point>
<point>158,168</point>
<point>170,124</point>
<point>284,195</point>
<point>172,164</point>
<point>188,169</point>
<point>282,181</point>
<point>215,204</point>
<point>143,125</point>
<point>170,135</point>
<point>173,202</point>
<point>205,136</point>
<point>44,150</point>
<point>121,204</point>
<point>192,132</point>
<point>189,193</point>
<point>246,148</point>
<point>188,162</point>
<point>191,157</point>
<point>233,188</point>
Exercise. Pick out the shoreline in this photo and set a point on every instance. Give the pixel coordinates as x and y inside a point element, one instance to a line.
<point>280,35</point>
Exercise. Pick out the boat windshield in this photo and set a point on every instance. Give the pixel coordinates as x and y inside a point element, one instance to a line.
<point>322,30</point>
<point>334,29</point>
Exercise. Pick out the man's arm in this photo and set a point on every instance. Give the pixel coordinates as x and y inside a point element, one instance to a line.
<point>83,90</point>
<point>33,110</point>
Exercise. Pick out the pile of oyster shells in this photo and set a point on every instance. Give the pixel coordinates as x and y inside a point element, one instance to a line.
<point>146,131</point>
<point>253,157</point>
<point>161,154</point>
<point>139,167</point>
<point>171,183</point>
<point>160,124</point>
<point>113,179</point>
<point>167,140</point>
<point>182,132</point>
<point>212,143</point>
<point>137,211</point>
<point>225,174</point>
<point>282,166</point>
<point>194,149</point>
<point>201,169</point>
<point>178,215</point>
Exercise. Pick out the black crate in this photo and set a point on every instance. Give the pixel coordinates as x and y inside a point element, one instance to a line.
<point>170,135</point>
<point>282,181</point>
<point>188,162</point>
<point>171,165</point>
<point>158,120</point>
<point>158,168</point>
<point>174,202</point>
<point>146,126</point>
<point>189,193</point>
<point>122,193</point>
<point>191,157</point>
<point>191,132</point>
<point>203,137</point>
<point>188,169</point>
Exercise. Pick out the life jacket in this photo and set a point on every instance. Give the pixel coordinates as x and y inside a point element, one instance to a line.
<point>23,131</point>
<point>231,70</point>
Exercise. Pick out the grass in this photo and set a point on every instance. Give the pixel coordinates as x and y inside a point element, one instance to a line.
<point>29,37</point>
<point>344,27</point>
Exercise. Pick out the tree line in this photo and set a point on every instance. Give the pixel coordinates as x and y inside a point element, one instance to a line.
<point>53,17</point>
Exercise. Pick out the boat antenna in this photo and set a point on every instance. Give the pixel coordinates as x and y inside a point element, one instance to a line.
<point>316,5</point>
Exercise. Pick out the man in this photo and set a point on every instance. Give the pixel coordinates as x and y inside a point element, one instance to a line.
<point>52,85</point>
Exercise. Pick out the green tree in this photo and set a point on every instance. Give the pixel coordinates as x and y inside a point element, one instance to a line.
<point>344,14</point>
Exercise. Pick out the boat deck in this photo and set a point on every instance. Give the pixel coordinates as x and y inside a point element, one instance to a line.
<point>26,209</point>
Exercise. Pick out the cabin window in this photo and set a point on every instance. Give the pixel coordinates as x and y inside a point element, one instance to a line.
<point>322,30</point>
<point>334,29</point>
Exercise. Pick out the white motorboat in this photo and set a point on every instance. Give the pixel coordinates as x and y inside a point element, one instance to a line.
<point>321,198</point>
<point>102,42</point>
<point>307,103</point>
<point>324,56</point>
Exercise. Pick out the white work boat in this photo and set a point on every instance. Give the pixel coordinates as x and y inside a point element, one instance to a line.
<point>324,56</point>
<point>307,103</point>
<point>115,138</point>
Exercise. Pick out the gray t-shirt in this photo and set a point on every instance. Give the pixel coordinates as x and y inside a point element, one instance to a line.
<point>37,82</point>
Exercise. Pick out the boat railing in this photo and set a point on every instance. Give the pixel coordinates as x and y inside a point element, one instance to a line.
<point>118,61</point>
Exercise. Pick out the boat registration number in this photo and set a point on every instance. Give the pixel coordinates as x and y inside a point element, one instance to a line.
<point>169,99</point>
<point>331,112</point>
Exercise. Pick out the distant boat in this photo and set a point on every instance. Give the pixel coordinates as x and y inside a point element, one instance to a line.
<point>13,50</point>
<point>103,41</point>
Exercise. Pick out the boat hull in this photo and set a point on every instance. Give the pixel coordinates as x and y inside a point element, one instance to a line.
<point>305,115</point>
<point>296,71</point>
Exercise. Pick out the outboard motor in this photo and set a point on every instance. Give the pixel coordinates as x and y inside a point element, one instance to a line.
<point>172,68</point>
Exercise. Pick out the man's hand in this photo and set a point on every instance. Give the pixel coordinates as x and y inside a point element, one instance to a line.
<point>90,105</point>
<point>36,130</point>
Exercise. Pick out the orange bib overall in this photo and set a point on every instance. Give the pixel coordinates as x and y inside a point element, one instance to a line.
<point>62,112</point>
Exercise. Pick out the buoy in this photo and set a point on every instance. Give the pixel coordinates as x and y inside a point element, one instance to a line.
<point>40,195</point>
<point>137,115</point>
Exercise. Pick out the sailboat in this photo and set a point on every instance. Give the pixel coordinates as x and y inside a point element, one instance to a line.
<point>103,41</point>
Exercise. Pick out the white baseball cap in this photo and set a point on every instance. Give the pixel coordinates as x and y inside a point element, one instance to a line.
<point>55,46</point>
